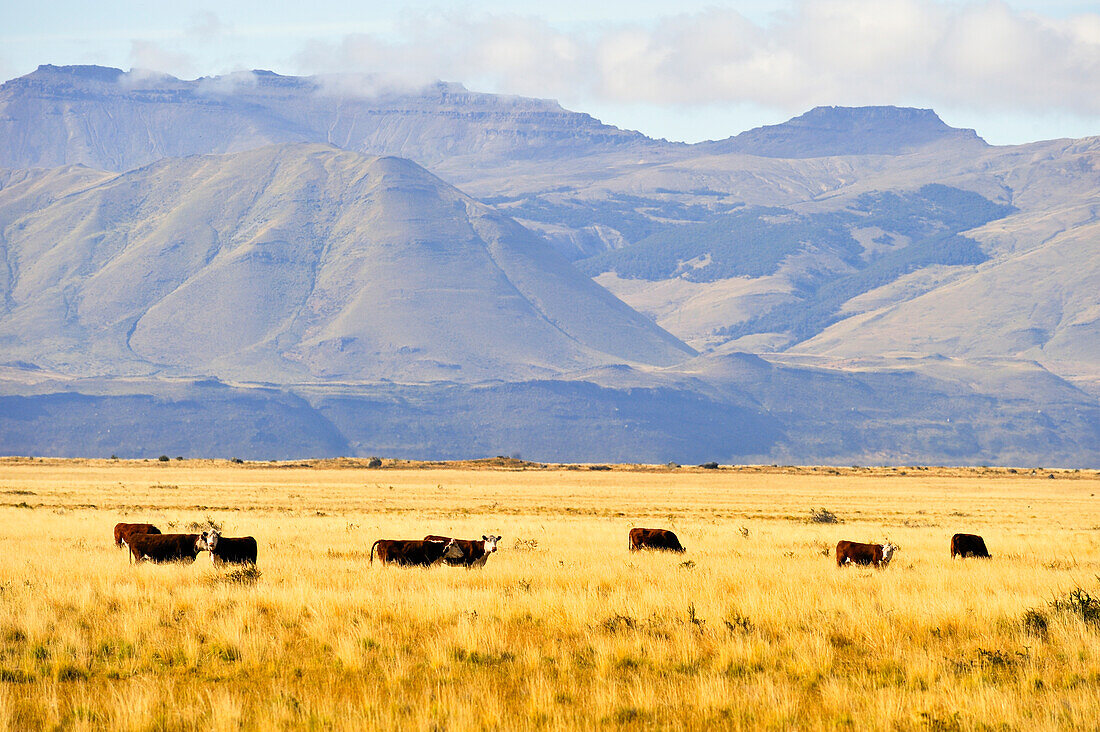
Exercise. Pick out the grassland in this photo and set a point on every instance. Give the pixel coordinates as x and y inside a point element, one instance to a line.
<point>755,627</point>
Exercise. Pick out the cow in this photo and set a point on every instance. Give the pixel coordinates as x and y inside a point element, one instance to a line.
<point>853,552</point>
<point>968,545</point>
<point>124,531</point>
<point>475,552</point>
<point>412,553</point>
<point>234,550</point>
<point>662,539</point>
<point>160,548</point>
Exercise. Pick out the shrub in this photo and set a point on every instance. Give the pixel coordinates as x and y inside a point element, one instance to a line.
<point>244,576</point>
<point>709,466</point>
<point>374,462</point>
<point>1035,623</point>
<point>164,458</point>
<point>1080,603</point>
<point>738,623</point>
<point>617,623</point>
<point>205,525</point>
<point>823,516</point>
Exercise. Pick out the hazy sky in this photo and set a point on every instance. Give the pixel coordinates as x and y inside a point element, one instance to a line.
<point>1015,71</point>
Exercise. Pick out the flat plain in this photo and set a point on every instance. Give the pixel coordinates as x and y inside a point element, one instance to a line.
<point>754,627</point>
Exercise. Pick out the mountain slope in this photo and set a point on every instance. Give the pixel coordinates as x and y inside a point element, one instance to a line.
<point>302,262</point>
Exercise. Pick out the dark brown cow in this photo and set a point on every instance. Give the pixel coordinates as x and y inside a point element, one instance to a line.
<point>234,550</point>
<point>853,552</point>
<point>475,552</point>
<point>413,553</point>
<point>124,531</point>
<point>662,539</point>
<point>171,547</point>
<point>968,545</point>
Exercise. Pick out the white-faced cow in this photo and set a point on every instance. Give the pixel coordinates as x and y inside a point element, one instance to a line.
<point>661,539</point>
<point>234,550</point>
<point>413,553</point>
<point>968,545</point>
<point>124,531</point>
<point>475,552</point>
<point>853,552</point>
<point>171,547</point>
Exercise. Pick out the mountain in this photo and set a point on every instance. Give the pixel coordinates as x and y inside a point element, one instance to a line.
<point>251,265</point>
<point>298,262</point>
<point>832,131</point>
<point>113,120</point>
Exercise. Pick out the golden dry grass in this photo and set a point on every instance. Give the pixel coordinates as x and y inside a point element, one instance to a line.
<point>563,628</point>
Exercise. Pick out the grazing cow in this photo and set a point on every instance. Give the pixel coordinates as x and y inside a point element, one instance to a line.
<point>662,539</point>
<point>853,552</point>
<point>230,550</point>
<point>171,547</point>
<point>124,531</point>
<point>412,553</point>
<point>475,552</point>
<point>968,545</point>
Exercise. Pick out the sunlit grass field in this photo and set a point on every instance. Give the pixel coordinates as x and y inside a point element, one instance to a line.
<point>754,627</point>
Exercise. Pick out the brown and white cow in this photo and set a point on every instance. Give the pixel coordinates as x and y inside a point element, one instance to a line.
<point>968,545</point>
<point>853,552</point>
<point>661,539</point>
<point>475,552</point>
<point>234,550</point>
<point>171,547</point>
<point>413,553</point>
<point>124,531</point>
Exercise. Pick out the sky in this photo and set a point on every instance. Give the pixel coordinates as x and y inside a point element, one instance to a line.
<point>1016,71</point>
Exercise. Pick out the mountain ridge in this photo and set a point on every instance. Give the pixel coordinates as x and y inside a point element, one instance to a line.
<point>834,131</point>
<point>260,107</point>
<point>85,117</point>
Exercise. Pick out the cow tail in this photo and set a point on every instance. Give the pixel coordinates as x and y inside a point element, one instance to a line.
<point>372,551</point>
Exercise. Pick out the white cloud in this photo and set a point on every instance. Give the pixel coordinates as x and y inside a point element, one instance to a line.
<point>978,55</point>
<point>149,58</point>
<point>227,84</point>
<point>206,27</point>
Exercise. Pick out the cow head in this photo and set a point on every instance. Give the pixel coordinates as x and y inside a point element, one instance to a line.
<point>888,550</point>
<point>452,550</point>
<point>207,540</point>
<point>490,543</point>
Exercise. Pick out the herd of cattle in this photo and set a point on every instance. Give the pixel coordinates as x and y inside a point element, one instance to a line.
<point>847,552</point>
<point>147,543</point>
